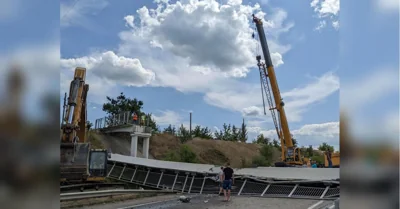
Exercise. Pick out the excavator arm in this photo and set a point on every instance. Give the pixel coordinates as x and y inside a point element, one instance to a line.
<point>290,154</point>
<point>74,121</point>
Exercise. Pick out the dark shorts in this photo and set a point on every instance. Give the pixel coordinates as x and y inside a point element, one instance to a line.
<point>220,184</point>
<point>227,184</point>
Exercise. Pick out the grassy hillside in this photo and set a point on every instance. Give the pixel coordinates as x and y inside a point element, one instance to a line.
<point>162,146</point>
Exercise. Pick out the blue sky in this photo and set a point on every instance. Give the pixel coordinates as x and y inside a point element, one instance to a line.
<point>182,76</point>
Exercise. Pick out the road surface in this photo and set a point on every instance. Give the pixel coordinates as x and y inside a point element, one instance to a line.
<point>214,202</point>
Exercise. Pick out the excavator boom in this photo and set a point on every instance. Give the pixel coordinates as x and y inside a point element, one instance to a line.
<point>77,161</point>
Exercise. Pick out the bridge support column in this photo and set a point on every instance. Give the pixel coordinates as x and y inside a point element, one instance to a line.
<point>146,142</point>
<point>134,143</point>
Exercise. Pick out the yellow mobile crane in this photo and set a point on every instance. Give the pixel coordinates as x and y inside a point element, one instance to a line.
<point>291,155</point>
<point>78,163</point>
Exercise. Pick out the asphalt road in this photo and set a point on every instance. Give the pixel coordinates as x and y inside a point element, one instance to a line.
<point>214,202</point>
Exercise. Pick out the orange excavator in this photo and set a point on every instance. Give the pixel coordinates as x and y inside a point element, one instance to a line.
<point>79,163</point>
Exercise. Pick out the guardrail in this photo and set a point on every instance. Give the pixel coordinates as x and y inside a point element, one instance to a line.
<point>122,120</point>
<point>103,193</point>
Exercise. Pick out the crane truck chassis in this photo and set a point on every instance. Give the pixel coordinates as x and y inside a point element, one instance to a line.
<point>78,162</point>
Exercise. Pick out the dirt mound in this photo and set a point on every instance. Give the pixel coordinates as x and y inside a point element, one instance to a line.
<point>161,144</point>
<point>219,152</point>
<point>214,152</point>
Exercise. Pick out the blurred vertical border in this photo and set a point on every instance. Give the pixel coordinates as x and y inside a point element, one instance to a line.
<point>369,94</point>
<point>29,108</point>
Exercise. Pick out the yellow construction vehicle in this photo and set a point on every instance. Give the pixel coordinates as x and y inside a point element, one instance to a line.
<point>78,163</point>
<point>291,155</point>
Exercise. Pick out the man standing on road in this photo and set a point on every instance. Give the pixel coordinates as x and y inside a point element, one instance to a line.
<point>228,181</point>
<point>220,179</point>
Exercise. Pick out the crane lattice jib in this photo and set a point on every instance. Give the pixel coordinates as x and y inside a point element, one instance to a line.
<point>267,91</point>
<point>270,73</point>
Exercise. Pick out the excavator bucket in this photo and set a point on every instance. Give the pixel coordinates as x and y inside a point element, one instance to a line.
<point>74,161</point>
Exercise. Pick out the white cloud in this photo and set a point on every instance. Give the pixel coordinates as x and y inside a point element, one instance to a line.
<point>326,10</point>
<point>248,100</point>
<point>167,117</point>
<point>312,134</point>
<point>76,13</point>
<point>129,21</point>
<point>193,46</point>
<point>177,25</point>
<point>104,72</point>
<point>387,6</point>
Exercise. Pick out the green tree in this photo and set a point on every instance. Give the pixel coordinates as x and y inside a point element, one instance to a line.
<point>227,132</point>
<point>202,132</point>
<point>276,144</point>
<point>170,129</point>
<point>325,147</point>
<point>187,155</point>
<point>89,125</point>
<point>183,134</point>
<point>294,141</point>
<point>309,151</point>
<point>234,136</point>
<point>121,104</point>
<point>184,154</point>
<point>265,157</point>
<point>261,139</point>
<point>243,132</point>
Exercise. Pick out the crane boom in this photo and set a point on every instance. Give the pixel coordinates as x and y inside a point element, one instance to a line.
<point>290,154</point>
<point>274,84</point>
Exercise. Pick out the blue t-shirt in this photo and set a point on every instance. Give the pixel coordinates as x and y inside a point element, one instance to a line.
<point>314,166</point>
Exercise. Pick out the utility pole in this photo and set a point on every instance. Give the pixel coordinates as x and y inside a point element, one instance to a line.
<point>190,125</point>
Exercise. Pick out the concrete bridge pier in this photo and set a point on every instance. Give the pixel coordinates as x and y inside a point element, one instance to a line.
<point>134,143</point>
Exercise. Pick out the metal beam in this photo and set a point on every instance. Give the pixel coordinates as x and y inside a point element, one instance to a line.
<point>122,172</point>
<point>184,184</point>
<point>325,191</point>
<point>134,173</point>
<point>173,185</point>
<point>244,183</point>
<point>112,168</point>
<point>147,175</point>
<point>191,183</point>
<point>159,180</point>
<point>265,190</point>
<point>202,186</point>
<point>294,189</point>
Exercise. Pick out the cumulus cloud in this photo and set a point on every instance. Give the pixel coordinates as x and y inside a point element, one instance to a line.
<point>248,100</point>
<point>75,13</point>
<point>312,134</point>
<point>199,46</point>
<point>104,72</point>
<point>327,10</point>
<point>114,68</point>
<point>164,118</point>
<point>206,34</point>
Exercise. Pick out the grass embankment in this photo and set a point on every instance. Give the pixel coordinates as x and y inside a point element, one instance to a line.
<point>216,152</point>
